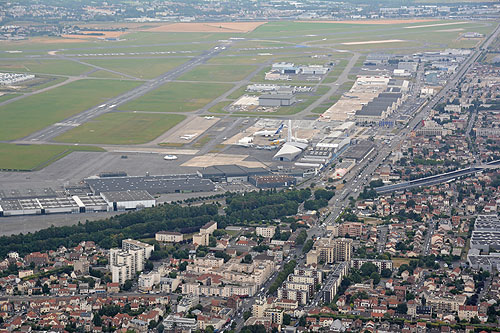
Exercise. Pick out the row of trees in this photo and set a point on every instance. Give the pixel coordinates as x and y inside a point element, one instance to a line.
<point>107,233</point>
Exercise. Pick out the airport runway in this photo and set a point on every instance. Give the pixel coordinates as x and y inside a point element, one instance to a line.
<point>57,129</point>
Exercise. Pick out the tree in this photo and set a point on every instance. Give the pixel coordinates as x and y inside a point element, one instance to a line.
<point>183,266</point>
<point>247,259</point>
<point>386,273</point>
<point>45,289</point>
<point>368,268</point>
<point>375,277</point>
<point>149,266</point>
<point>209,329</point>
<point>97,319</point>
<point>127,285</point>
<point>286,319</point>
<point>302,321</point>
<point>247,314</point>
<point>402,308</point>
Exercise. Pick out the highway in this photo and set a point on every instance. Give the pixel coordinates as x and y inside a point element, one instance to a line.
<point>57,129</point>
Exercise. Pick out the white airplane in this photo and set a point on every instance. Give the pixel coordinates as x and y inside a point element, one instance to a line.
<point>188,136</point>
<point>170,157</point>
<point>209,117</point>
<point>269,133</point>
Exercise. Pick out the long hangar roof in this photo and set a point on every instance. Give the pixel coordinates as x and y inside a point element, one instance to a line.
<point>152,184</point>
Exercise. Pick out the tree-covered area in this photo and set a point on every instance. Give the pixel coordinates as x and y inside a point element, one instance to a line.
<point>287,270</point>
<point>107,233</point>
<point>264,205</point>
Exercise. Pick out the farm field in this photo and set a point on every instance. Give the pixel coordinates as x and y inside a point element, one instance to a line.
<point>33,113</point>
<point>139,68</point>
<point>218,73</point>
<point>122,128</point>
<point>33,157</point>
<point>177,97</point>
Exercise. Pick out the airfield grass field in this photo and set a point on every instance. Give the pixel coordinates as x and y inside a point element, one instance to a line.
<point>34,157</point>
<point>6,97</point>
<point>139,68</point>
<point>122,128</point>
<point>146,54</point>
<point>56,67</point>
<point>33,113</point>
<point>177,97</point>
<point>102,74</point>
<point>218,73</point>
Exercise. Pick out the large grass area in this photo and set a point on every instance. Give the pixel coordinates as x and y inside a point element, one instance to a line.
<point>56,66</point>
<point>177,97</point>
<point>33,157</point>
<point>220,73</point>
<point>33,113</point>
<point>122,128</point>
<point>139,68</point>
<point>6,97</point>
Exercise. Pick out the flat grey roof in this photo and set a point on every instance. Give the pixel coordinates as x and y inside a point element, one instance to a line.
<point>118,196</point>
<point>27,193</point>
<point>276,96</point>
<point>152,184</point>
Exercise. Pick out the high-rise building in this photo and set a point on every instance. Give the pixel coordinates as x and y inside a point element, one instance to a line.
<point>124,263</point>
<point>330,250</point>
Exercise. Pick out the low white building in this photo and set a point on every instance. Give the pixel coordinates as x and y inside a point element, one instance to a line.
<point>266,232</point>
<point>125,200</point>
<point>169,237</point>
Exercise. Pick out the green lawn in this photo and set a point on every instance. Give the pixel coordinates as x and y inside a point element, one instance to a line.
<point>6,97</point>
<point>122,128</point>
<point>219,107</point>
<point>140,68</point>
<point>33,157</point>
<point>239,60</point>
<point>101,74</point>
<point>33,113</point>
<point>178,97</point>
<point>56,66</point>
<point>221,73</point>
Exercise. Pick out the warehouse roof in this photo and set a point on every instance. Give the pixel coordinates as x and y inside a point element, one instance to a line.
<point>119,196</point>
<point>152,184</point>
<point>276,96</point>
<point>231,170</point>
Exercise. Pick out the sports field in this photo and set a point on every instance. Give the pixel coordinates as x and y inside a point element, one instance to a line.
<point>122,128</point>
<point>178,97</point>
<point>33,157</point>
<point>33,113</point>
<point>218,73</point>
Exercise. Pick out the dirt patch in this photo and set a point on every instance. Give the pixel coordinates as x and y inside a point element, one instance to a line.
<point>370,21</point>
<point>98,34</point>
<point>240,27</point>
<point>451,30</point>
<point>41,40</point>
<point>433,25</point>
